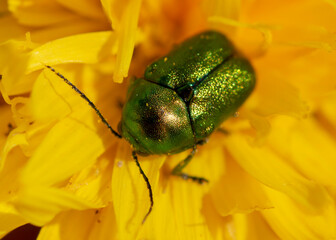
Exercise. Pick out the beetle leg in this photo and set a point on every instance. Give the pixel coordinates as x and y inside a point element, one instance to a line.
<point>223,130</point>
<point>203,141</point>
<point>177,171</point>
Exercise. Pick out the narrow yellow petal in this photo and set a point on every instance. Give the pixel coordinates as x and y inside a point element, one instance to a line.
<point>73,147</point>
<point>39,205</point>
<point>126,39</point>
<point>107,7</point>
<point>70,49</point>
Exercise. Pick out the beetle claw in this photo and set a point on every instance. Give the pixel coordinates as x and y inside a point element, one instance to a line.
<point>198,180</point>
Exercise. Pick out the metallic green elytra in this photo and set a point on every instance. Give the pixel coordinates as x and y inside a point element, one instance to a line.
<point>186,95</point>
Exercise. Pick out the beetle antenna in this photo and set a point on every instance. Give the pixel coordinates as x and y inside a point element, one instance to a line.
<point>87,100</point>
<point>135,157</point>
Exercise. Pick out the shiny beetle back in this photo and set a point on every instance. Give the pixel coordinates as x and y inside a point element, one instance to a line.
<point>185,95</point>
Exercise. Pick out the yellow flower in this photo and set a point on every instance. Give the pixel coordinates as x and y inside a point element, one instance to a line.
<point>272,177</point>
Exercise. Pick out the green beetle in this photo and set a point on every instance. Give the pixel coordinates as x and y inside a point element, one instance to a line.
<point>183,98</point>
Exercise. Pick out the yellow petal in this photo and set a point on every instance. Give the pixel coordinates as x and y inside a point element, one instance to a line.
<point>126,39</point>
<point>187,205</point>
<point>104,227</point>
<point>260,124</point>
<point>39,205</point>
<point>10,174</point>
<point>91,9</point>
<point>77,26</point>
<point>108,8</point>
<point>6,124</point>
<point>182,202</point>
<point>70,49</point>
<point>10,29</point>
<point>61,100</point>
<point>46,102</point>
<point>12,141</point>
<point>9,219</point>
<point>166,227</point>
<point>237,192</point>
<point>315,84</point>
<point>75,225</point>
<point>278,97</point>
<point>260,35</point>
<point>94,182</point>
<point>310,148</point>
<point>253,227</point>
<point>327,116</point>
<point>73,147</point>
<point>129,191</point>
<point>229,9</point>
<point>220,227</point>
<point>187,202</point>
<point>3,6</point>
<point>4,93</point>
<point>39,13</point>
<point>273,171</point>
<point>187,197</point>
<point>97,225</point>
<point>13,61</point>
<point>290,221</point>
